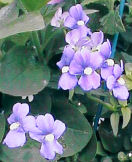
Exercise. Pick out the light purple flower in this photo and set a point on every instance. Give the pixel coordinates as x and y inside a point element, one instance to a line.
<point>52,2</point>
<point>77,39</point>
<point>85,64</point>
<point>116,83</point>
<point>49,131</point>
<point>59,18</point>
<point>66,81</point>
<point>20,123</point>
<point>77,17</point>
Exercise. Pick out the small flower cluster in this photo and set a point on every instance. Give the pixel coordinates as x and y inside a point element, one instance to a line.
<point>86,59</point>
<point>42,128</point>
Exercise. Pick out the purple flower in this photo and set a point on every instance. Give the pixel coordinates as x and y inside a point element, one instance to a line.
<point>77,17</point>
<point>85,64</point>
<point>116,83</point>
<point>59,18</point>
<point>49,131</point>
<point>77,38</point>
<point>66,81</point>
<point>20,123</point>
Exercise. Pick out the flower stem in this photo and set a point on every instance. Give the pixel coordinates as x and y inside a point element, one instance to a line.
<point>107,105</point>
<point>36,43</point>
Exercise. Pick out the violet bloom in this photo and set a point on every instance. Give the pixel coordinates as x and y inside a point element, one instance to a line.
<point>77,17</point>
<point>116,83</point>
<point>20,123</point>
<point>49,131</point>
<point>52,2</point>
<point>59,18</point>
<point>85,64</point>
<point>66,81</point>
<point>77,39</point>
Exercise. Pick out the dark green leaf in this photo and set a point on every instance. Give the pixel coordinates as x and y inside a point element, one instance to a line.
<point>89,152</point>
<point>41,104</point>
<point>112,23</point>
<point>20,74</point>
<point>2,126</point>
<point>79,131</point>
<point>32,5</point>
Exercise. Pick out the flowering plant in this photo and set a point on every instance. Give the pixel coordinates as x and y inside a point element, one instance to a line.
<point>65,81</point>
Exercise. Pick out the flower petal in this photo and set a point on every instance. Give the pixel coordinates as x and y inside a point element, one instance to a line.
<point>59,128</point>
<point>15,139</point>
<point>67,81</point>
<point>47,150</point>
<point>121,93</point>
<point>88,82</point>
<point>97,38</point>
<point>45,123</point>
<point>66,58</point>
<point>105,49</point>
<point>20,110</point>
<point>106,72</point>
<point>76,12</point>
<point>11,119</point>
<point>96,60</point>
<point>70,22</point>
<point>37,136</point>
<point>111,81</point>
<point>73,37</point>
<point>29,123</point>
<point>117,71</point>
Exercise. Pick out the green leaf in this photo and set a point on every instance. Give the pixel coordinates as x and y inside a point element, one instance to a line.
<point>8,13</point>
<point>89,152</point>
<point>30,152</point>
<point>20,39</point>
<point>2,126</point>
<point>126,112</point>
<point>100,149</point>
<point>108,3</point>
<point>109,141</point>
<point>29,22</point>
<point>128,70</point>
<point>127,58</point>
<point>32,5</point>
<point>41,104</point>
<point>20,74</point>
<point>79,131</point>
<point>128,82</point>
<point>112,23</point>
<point>6,1</point>
<point>114,120</point>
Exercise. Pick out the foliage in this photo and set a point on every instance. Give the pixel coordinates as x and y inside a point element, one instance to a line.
<point>30,47</point>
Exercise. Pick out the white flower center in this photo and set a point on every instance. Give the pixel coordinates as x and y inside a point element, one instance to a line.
<point>80,23</point>
<point>65,69</point>
<point>14,126</point>
<point>110,62</point>
<point>121,81</point>
<point>88,71</point>
<point>49,137</point>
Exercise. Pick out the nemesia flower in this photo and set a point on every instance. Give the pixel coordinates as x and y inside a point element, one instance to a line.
<point>66,81</point>
<point>85,64</point>
<point>76,39</point>
<point>52,2</point>
<point>20,124</point>
<point>116,83</point>
<point>59,18</point>
<point>77,17</point>
<point>49,131</point>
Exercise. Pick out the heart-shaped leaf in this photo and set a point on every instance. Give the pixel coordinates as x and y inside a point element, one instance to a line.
<point>20,74</point>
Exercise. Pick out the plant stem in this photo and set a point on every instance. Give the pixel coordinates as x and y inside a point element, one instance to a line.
<point>36,43</point>
<point>107,105</point>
